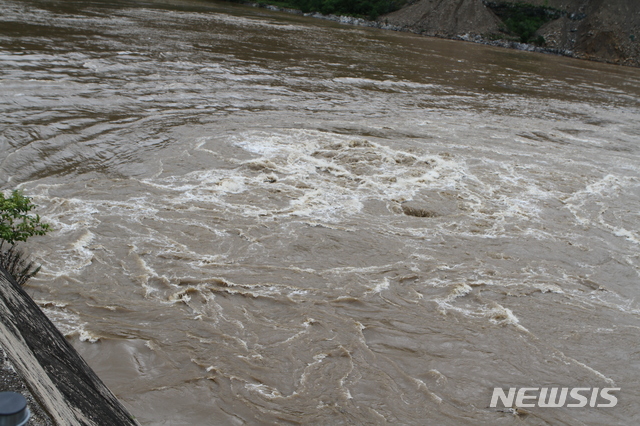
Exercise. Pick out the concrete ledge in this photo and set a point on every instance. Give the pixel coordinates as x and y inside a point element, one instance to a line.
<point>59,379</point>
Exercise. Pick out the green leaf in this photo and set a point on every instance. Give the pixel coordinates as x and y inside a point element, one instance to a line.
<point>15,222</point>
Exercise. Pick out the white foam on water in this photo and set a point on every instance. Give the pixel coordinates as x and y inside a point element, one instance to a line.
<point>611,192</point>
<point>264,390</point>
<point>68,322</point>
<point>441,379</point>
<point>319,357</point>
<point>459,290</point>
<point>380,286</point>
<point>621,232</point>
<point>341,173</point>
<point>80,245</point>
<point>498,314</point>
<point>319,175</point>
<point>266,190</point>
<point>607,185</point>
<point>77,257</point>
<point>306,329</point>
<point>423,386</point>
<point>548,288</point>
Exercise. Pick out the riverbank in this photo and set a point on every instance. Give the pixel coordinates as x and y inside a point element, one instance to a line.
<point>581,30</point>
<point>38,362</point>
<point>11,381</point>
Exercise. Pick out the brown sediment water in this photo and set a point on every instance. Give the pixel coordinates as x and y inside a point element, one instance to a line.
<point>263,218</point>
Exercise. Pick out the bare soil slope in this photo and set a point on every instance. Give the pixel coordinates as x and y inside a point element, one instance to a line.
<point>602,30</point>
<point>445,18</point>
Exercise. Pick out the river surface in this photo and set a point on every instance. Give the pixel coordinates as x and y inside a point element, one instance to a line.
<point>262,218</point>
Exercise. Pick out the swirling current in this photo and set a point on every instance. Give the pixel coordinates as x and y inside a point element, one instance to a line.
<point>264,218</point>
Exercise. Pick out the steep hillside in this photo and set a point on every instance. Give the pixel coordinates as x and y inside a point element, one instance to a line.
<point>603,30</point>
<point>445,18</point>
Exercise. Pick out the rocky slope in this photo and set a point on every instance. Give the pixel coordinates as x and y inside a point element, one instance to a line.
<point>603,30</point>
<point>445,18</point>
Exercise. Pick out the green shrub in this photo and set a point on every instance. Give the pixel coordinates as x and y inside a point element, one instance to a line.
<point>16,224</point>
<point>369,9</point>
<point>523,20</point>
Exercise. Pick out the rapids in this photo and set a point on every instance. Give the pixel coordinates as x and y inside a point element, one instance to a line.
<point>262,218</point>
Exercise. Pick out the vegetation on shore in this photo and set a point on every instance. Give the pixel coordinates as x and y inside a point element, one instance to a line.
<point>522,20</point>
<point>368,9</point>
<point>16,224</point>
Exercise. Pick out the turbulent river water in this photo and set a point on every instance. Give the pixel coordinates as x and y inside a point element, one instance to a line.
<point>262,218</point>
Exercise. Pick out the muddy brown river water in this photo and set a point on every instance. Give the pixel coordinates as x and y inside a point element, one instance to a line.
<point>263,218</point>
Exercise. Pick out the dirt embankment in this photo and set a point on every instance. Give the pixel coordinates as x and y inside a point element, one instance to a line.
<point>602,30</point>
<point>445,18</point>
